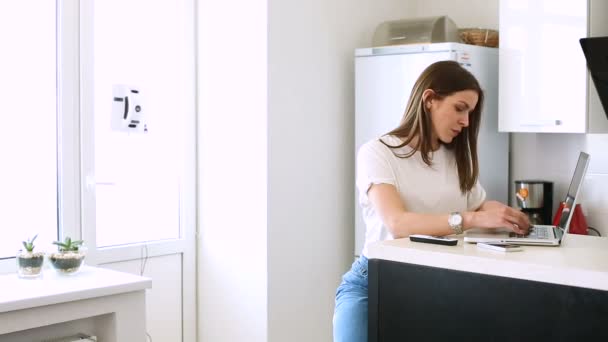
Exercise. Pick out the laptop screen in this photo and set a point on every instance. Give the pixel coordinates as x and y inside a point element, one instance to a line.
<point>573,190</point>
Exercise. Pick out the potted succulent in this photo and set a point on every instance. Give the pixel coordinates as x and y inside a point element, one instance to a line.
<point>29,262</point>
<point>69,257</point>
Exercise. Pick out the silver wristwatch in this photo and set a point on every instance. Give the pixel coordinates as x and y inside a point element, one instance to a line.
<point>455,222</point>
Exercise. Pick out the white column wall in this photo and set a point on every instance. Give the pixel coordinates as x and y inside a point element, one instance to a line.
<point>232,176</point>
<point>311,156</point>
<point>465,13</point>
<point>276,178</point>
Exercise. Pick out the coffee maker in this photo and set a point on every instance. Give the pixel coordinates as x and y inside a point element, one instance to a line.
<point>535,198</point>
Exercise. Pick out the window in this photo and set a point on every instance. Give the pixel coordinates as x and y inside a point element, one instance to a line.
<point>28,132</point>
<point>138,175</point>
<point>65,170</point>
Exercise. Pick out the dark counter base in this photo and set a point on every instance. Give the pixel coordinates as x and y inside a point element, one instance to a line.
<point>418,303</point>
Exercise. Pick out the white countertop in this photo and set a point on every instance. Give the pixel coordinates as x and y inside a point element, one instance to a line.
<point>580,261</point>
<point>53,288</point>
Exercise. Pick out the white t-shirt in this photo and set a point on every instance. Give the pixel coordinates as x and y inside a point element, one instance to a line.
<point>427,189</point>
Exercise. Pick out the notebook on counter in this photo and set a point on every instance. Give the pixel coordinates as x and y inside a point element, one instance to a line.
<point>539,235</point>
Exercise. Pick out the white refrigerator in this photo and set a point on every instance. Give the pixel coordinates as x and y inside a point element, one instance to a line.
<point>384,77</point>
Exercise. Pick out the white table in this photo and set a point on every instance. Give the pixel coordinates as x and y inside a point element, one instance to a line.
<point>96,301</point>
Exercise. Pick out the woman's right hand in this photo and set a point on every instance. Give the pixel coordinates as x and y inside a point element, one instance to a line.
<point>493,214</point>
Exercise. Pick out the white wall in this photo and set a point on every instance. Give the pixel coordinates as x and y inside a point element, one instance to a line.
<point>232,130</point>
<point>164,299</point>
<point>311,156</point>
<point>540,156</point>
<point>465,13</point>
<point>553,157</point>
<point>292,160</point>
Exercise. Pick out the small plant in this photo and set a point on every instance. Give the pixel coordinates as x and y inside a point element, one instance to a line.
<point>68,245</point>
<point>29,244</point>
<point>29,262</point>
<point>69,257</point>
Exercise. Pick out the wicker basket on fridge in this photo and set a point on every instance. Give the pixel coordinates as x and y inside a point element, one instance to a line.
<point>479,36</point>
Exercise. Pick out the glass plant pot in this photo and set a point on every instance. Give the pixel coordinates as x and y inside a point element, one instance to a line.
<point>67,262</point>
<point>29,264</point>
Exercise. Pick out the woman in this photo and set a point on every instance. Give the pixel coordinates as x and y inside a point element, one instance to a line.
<point>421,178</point>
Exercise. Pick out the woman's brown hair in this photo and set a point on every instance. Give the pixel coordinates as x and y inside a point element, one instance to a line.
<point>444,78</point>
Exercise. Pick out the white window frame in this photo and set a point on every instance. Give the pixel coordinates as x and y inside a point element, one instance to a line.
<point>68,141</point>
<point>75,144</point>
<point>87,143</point>
<point>186,243</point>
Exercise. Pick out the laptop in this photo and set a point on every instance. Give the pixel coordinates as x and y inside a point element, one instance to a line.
<point>539,235</point>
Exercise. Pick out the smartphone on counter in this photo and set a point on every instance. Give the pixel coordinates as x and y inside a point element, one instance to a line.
<point>437,240</point>
<point>500,247</point>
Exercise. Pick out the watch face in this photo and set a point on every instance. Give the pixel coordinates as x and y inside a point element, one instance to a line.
<point>455,219</point>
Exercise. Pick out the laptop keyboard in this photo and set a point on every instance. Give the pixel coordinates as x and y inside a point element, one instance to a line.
<point>536,232</point>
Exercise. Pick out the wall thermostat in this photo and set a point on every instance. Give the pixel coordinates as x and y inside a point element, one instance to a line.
<point>128,113</point>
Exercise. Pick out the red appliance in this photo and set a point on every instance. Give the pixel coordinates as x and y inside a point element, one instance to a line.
<point>578,224</point>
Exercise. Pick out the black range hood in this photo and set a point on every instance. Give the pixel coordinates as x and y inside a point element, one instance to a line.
<point>596,53</point>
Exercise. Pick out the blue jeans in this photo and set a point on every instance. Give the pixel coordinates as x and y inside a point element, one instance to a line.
<point>350,313</point>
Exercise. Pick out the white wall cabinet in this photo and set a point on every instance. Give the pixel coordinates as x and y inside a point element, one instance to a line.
<point>544,85</point>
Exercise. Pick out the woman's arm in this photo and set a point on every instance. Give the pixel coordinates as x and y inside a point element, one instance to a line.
<point>401,223</point>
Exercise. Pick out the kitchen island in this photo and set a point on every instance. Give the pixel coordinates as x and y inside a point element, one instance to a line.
<point>420,291</point>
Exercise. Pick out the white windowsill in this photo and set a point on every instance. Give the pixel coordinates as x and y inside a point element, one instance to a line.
<point>53,288</point>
